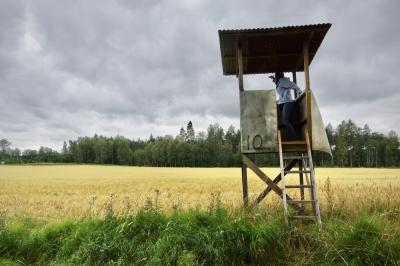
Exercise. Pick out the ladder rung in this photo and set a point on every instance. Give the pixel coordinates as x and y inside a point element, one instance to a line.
<point>298,186</point>
<point>294,143</point>
<point>295,157</point>
<point>298,172</point>
<point>303,217</point>
<point>300,201</point>
<point>294,149</point>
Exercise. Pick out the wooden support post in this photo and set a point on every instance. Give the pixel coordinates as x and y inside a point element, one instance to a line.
<point>244,186</point>
<point>283,177</point>
<point>240,66</point>
<point>294,77</point>
<point>241,88</point>
<point>267,180</point>
<point>308,90</point>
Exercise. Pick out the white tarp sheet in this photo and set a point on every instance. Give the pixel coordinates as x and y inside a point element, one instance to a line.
<point>319,138</point>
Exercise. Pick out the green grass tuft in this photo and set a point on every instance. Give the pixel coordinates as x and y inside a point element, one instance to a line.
<point>217,236</point>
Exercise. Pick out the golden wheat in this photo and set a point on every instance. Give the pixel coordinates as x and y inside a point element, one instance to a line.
<point>56,191</point>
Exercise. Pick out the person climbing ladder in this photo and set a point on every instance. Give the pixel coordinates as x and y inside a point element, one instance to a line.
<point>287,92</point>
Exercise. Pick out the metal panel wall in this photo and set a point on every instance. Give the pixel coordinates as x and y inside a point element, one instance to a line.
<point>258,121</point>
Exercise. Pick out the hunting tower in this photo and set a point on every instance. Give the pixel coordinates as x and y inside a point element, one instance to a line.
<point>267,50</point>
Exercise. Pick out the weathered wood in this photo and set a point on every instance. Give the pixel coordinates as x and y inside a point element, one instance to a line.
<point>297,142</point>
<point>301,180</point>
<point>294,146</point>
<point>315,196</point>
<point>276,180</point>
<point>240,66</point>
<point>261,174</point>
<point>244,186</point>
<point>283,176</point>
<point>307,89</point>
<point>267,180</point>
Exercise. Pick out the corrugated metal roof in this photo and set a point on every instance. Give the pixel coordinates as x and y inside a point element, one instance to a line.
<point>266,50</point>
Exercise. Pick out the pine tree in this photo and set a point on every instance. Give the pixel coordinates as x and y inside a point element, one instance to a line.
<point>64,148</point>
<point>182,134</point>
<point>190,135</point>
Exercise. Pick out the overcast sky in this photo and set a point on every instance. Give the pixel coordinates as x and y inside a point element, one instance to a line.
<point>76,68</point>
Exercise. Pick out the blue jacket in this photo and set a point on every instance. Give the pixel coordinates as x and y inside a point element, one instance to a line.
<point>286,90</point>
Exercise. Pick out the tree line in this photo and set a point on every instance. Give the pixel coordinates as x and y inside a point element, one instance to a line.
<point>352,146</point>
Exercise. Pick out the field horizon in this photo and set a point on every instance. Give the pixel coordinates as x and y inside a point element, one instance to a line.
<point>59,191</point>
<point>119,215</point>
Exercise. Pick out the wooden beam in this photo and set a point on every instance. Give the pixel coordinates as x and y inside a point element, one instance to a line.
<point>301,57</point>
<point>267,180</point>
<point>261,174</point>
<point>306,65</point>
<point>240,65</point>
<point>244,186</point>
<point>301,179</point>
<point>308,90</point>
<point>277,179</point>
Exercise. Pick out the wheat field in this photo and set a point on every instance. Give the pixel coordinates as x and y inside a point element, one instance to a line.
<point>58,191</point>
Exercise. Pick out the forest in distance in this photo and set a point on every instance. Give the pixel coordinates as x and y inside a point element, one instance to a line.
<point>352,146</point>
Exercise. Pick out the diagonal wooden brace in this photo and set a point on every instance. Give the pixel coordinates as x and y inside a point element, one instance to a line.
<point>271,184</point>
<point>276,181</point>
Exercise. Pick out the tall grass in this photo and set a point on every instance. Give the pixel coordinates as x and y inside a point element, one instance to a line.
<point>217,236</point>
<point>61,191</point>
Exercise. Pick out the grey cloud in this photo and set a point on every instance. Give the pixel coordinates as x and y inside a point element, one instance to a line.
<point>140,67</point>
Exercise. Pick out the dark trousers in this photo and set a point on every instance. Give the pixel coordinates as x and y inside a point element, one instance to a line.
<point>287,120</point>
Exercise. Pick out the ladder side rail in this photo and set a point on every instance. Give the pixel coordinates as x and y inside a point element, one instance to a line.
<point>316,202</point>
<point>282,177</point>
<point>301,179</point>
<point>308,180</point>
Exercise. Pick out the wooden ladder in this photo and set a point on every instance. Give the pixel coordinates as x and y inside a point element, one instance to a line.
<point>306,168</point>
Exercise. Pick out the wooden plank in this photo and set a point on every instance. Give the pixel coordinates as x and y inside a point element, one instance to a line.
<point>301,179</point>
<point>276,180</point>
<point>297,142</point>
<point>314,194</point>
<point>295,148</point>
<point>240,65</point>
<point>282,175</point>
<point>244,186</point>
<point>261,174</point>
<point>267,180</point>
<point>308,89</point>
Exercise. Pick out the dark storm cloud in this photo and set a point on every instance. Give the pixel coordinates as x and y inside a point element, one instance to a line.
<point>140,67</point>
